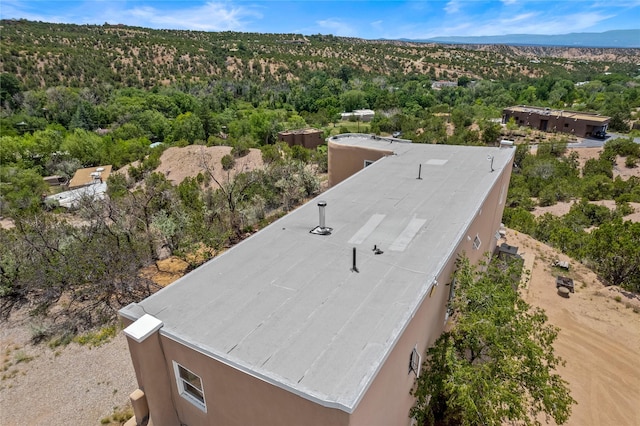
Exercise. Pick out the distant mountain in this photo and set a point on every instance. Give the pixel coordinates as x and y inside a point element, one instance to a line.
<point>616,38</point>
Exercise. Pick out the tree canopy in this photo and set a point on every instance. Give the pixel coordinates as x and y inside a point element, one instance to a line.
<point>496,363</point>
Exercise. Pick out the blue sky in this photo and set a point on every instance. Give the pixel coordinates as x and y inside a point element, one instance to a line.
<point>365,19</point>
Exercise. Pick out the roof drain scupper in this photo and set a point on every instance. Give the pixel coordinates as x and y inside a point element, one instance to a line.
<point>321,229</point>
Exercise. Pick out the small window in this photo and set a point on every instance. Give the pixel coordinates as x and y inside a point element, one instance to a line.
<point>476,243</point>
<point>566,124</point>
<point>190,386</point>
<point>452,293</point>
<point>414,362</point>
<point>367,163</point>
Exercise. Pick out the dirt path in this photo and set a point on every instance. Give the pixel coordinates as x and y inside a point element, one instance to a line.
<point>72,385</point>
<point>599,338</point>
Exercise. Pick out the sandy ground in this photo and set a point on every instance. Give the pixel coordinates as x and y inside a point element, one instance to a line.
<point>599,337</point>
<point>179,163</point>
<point>619,169</point>
<point>72,385</point>
<point>562,208</point>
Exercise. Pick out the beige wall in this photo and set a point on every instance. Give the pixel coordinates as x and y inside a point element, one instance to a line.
<point>388,400</point>
<point>153,377</point>
<point>345,160</point>
<point>232,397</point>
<point>309,139</point>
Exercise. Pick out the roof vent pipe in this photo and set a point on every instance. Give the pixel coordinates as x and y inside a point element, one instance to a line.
<point>490,158</point>
<point>354,268</point>
<point>321,229</point>
<point>321,206</point>
<point>419,172</point>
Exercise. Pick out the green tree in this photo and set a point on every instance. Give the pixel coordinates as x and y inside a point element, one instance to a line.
<point>354,99</point>
<point>187,127</point>
<point>614,251</point>
<point>9,86</point>
<point>85,146</point>
<point>497,362</point>
<point>21,191</point>
<point>490,132</point>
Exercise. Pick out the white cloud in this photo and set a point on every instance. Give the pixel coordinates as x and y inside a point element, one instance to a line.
<point>453,6</point>
<point>509,2</point>
<point>537,23</point>
<point>337,27</point>
<point>211,16</point>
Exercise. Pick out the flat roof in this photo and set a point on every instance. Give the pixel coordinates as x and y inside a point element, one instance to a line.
<point>285,306</point>
<point>90,175</point>
<point>587,116</point>
<point>300,131</point>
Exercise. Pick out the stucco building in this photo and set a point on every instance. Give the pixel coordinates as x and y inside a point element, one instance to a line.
<point>308,138</point>
<point>322,317</point>
<point>581,124</point>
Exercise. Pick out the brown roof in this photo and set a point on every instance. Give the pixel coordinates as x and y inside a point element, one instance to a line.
<point>300,131</point>
<point>90,175</point>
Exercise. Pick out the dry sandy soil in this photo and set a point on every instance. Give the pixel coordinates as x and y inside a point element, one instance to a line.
<point>599,336</point>
<point>562,208</point>
<point>178,163</point>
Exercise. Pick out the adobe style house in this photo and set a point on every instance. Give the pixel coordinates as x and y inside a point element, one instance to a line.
<point>581,124</point>
<point>308,138</point>
<point>322,317</point>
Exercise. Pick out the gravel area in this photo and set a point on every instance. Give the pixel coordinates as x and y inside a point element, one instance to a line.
<point>71,385</point>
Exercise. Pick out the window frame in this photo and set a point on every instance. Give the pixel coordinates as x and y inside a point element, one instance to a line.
<point>477,242</point>
<point>415,362</point>
<point>185,386</point>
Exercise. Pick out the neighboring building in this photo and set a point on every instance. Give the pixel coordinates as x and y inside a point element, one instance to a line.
<point>359,114</point>
<point>322,317</point>
<point>55,180</point>
<point>71,198</point>
<point>90,175</point>
<point>308,138</point>
<point>437,85</point>
<point>581,124</point>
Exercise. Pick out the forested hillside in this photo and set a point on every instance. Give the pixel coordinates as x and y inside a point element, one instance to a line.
<point>86,96</point>
<point>45,55</point>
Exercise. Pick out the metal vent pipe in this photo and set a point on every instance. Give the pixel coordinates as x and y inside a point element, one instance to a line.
<point>321,206</point>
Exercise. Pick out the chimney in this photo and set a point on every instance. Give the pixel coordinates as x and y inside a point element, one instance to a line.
<point>321,229</point>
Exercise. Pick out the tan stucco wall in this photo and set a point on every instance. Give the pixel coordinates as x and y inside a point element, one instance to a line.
<point>232,397</point>
<point>153,377</point>
<point>388,399</point>
<point>345,160</point>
